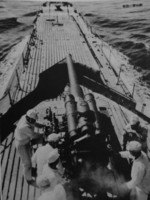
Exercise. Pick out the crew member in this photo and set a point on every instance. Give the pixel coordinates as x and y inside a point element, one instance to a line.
<point>24,133</point>
<point>135,132</point>
<point>50,181</point>
<point>40,157</point>
<point>139,185</point>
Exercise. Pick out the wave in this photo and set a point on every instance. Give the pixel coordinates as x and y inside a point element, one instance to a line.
<point>89,15</point>
<point>124,44</point>
<point>31,14</point>
<point>100,21</point>
<point>139,36</point>
<point>26,28</point>
<point>137,52</point>
<point>146,77</point>
<point>125,24</point>
<point>132,45</point>
<point>140,11</point>
<point>5,48</point>
<point>133,27</point>
<point>147,30</point>
<point>8,23</point>
<point>140,59</point>
<point>115,24</point>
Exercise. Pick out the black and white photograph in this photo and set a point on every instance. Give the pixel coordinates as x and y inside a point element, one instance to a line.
<point>75,99</point>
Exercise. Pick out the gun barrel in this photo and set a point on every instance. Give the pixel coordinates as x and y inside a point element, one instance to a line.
<point>81,112</point>
<point>89,98</point>
<point>75,89</point>
<point>70,105</point>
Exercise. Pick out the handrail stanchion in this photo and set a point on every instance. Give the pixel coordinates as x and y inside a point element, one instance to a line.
<point>133,90</point>
<point>119,74</point>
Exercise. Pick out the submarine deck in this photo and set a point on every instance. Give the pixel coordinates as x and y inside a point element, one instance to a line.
<point>58,34</point>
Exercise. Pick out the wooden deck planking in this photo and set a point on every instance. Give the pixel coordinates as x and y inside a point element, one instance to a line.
<point>123,112</point>
<point>49,50</point>
<point>42,59</point>
<point>37,193</point>
<point>121,115</point>
<point>3,146</point>
<point>31,193</point>
<point>38,59</point>
<point>7,174</point>
<point>33,77</point>
<point>26,84</point>
<point>6,153</point>
<point>35,62</point>
<point>117,124</point>
<point>47,55</point>
<point>25,191</point>
<point>19,186</point>
<point>17,182</point>
<point>13,177</point>
<point>51,46</point>
<point>9,188</point>
<point>20,92</point>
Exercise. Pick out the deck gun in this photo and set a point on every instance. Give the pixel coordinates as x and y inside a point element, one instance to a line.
<point>84,142</point>
<point>85,148</point>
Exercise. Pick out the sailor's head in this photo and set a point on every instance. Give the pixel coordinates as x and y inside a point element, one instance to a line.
<point>53,139</point>
<point>135,148</point>
<point>134,122</point>
<point>53,158</point>
<point>31,116</point>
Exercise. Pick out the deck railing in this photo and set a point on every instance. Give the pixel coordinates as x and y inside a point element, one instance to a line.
<point>7,99</point>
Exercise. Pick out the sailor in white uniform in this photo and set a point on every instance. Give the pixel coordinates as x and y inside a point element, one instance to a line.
<point>50,181</point>
<point>40,157</point>
<point>24,133</point>
<point>139,185</point>
<point>136,131</point>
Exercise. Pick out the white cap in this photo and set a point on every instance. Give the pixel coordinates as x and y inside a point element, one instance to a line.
<point>32,114</point>
<point>134,146</point>
<point>134,120</point>
<point>53,137</point>
<point>53,156</point>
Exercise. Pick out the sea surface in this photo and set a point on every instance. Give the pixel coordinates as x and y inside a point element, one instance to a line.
<point>125,28</point>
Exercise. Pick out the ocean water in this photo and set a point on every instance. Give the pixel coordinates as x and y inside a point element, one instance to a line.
<point>126,29</point>
<point>16,21</point>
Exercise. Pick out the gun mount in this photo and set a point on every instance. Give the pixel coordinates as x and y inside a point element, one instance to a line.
<point>84,146</point>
